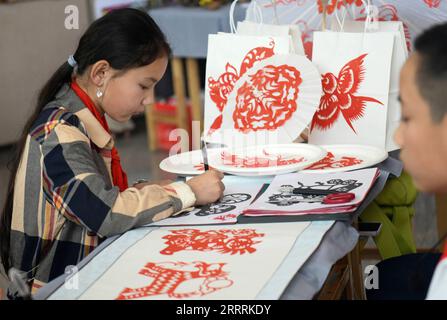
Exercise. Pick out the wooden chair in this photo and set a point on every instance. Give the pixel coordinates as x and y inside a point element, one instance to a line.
<point>338,284</point>
<point>181,119</point>
<point>345,279</point>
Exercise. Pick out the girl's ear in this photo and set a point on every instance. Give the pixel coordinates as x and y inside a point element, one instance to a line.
<point>99,72</point>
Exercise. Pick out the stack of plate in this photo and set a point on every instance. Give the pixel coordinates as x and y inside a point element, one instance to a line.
<point>276,159</point>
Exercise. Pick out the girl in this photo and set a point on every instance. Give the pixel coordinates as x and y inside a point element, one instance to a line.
<point>67,191</point>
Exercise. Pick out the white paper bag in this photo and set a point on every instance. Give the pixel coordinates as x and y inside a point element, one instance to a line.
<point>355,69</point>
<point>261,29</point>
<point>229,57</point>
<point>400,54</point>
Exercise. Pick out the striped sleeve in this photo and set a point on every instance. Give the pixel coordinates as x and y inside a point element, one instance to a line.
<point>76,188</point>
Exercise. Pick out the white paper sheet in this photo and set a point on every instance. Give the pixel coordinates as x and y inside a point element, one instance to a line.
<point>279,196</point>
<point>212,262</point>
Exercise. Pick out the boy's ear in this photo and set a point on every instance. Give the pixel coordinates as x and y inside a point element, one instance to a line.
<point>99,72</point>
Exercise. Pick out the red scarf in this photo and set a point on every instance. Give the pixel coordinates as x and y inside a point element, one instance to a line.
<point>118,174</point>
<point>444,255</point>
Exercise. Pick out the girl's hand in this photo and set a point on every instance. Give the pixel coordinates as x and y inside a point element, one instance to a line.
<point>207,187</point>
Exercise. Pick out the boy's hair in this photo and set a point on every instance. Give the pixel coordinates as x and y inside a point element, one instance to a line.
<point>126,39</point>
<point>431,76</point>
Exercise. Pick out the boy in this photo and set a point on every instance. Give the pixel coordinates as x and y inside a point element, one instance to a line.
<point>422,136</point>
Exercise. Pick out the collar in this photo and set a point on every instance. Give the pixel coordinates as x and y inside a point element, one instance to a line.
<point>68,99</point>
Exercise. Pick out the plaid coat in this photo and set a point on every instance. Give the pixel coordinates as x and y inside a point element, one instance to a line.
<point>64,200</point>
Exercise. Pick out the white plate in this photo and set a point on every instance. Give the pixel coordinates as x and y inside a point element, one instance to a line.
<point>186,163</point>
<point>267,159</point>
<point>347,157</point>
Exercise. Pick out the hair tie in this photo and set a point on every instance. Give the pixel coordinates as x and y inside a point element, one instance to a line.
<point>71,61</point>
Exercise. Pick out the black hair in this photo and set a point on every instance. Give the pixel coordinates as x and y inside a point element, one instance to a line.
<point>431,76</point>
<point>126,39</point>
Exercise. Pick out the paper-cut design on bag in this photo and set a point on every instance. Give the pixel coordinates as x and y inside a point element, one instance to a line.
<point>339,96</point>
<point>264,161</point>
<point>222,87</point>
<point>180,280</point>
<point>267,99</point>
<point>337,4</point>
<point>224,241</point>
<point>287,197</point>
<point>433,3</point>
<point>331,162</point>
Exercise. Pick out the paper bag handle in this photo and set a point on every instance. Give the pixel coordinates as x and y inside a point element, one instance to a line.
<point>257,13</point>
<point>370,17</point>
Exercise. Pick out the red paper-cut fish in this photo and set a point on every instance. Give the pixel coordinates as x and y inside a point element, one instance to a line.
<point>339,96</point>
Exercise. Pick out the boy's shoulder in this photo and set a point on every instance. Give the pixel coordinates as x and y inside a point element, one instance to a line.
<point>438,285</point>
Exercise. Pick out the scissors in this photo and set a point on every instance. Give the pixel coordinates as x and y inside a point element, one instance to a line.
<point>336,198</point>
<point>330,196</point>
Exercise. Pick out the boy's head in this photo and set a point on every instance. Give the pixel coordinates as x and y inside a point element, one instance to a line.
<point>422,133</point>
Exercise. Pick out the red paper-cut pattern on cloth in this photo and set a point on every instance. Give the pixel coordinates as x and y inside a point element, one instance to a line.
<point>330,162</point>
<point>337,4</point>
<point>433,3</point>
<point>223,241</point>
<point>226,217</point>
<point>338,96</point>
<point>267,99</point>
<point>222,87</point>
<point>180,280</point>
<point>265,161</point>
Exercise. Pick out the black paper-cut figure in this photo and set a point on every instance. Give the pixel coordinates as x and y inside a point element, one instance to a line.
<point>287,196</point>
<point>224,205</point>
